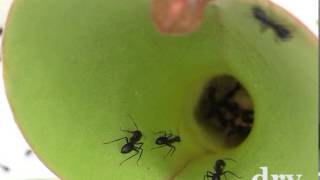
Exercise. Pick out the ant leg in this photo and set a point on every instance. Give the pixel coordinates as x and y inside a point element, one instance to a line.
<point>232,92</point>
<point>171,151</point>
<point>161,132</point>
<point>159,147</point>
<point>208,175</point>
<point>125,130</point>
<point>174,149</point>
<point>168,153</point>
<point>141,151</point>
<point>205,177</point>
<point>225,172</point>
<point>230,159</point>
<point>137,152</point>
<point>117,140</point>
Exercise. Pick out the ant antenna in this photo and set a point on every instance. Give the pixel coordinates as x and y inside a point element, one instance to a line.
<point>178,132</point>
<point>115,140</point>
<point>133,121</point>
<point>158,132</point>
<point>230,159</point>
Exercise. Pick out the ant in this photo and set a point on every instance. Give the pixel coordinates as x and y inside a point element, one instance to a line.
<point>247,116</point>
<point>282,32</point>
<point>225,107</point>
<point>167,140</point>
<point>132,144</point>
<point>245,126</point>
<point>215,104</point>
<point>241,130</point>
<point>4,168</point>
<point>219,166</point>
<point>28,152</point>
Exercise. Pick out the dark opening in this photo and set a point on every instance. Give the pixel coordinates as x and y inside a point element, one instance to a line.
<point>225,108</point>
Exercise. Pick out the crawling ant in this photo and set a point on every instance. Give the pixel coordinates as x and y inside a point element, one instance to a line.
<point>219,166</point>
<point>28,152</point>
<point>4,168</point>
<point>132,144</point>
<point>167,140</point>
<point>282,32</point>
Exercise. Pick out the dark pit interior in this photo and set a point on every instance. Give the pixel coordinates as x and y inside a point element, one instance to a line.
<point>225,109</point>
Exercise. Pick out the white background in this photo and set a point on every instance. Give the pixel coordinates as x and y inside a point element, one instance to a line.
<point>12,144</point>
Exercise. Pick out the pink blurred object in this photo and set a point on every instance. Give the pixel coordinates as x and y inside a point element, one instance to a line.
<point>178,17</point>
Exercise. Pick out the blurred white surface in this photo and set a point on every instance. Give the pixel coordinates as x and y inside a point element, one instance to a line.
<point>13,148</point>
<point>12,144</point>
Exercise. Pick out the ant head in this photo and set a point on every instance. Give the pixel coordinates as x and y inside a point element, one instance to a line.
<point>220,164</point>
<point>258,11</point>
<point>137,133</point>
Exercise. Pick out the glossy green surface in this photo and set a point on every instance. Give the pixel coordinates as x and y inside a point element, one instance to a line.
<point>75,69</point>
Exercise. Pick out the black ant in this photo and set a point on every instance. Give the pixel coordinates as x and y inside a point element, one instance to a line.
<point>282,32</point>
<point>225,109</point>
<point>28,152</point>
<point>132,144</point>
<point>241,130</point>
<point>247,116</point>
<point>167,140</point>
<point>219,171</point>
<point>214,104</point>
<point>4,168</point>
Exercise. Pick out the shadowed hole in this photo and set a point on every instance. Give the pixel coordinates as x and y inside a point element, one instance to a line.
<point>225,109</point>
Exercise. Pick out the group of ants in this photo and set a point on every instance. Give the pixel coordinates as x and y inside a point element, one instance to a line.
<point>165,139</point>
<point>168,139</point>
